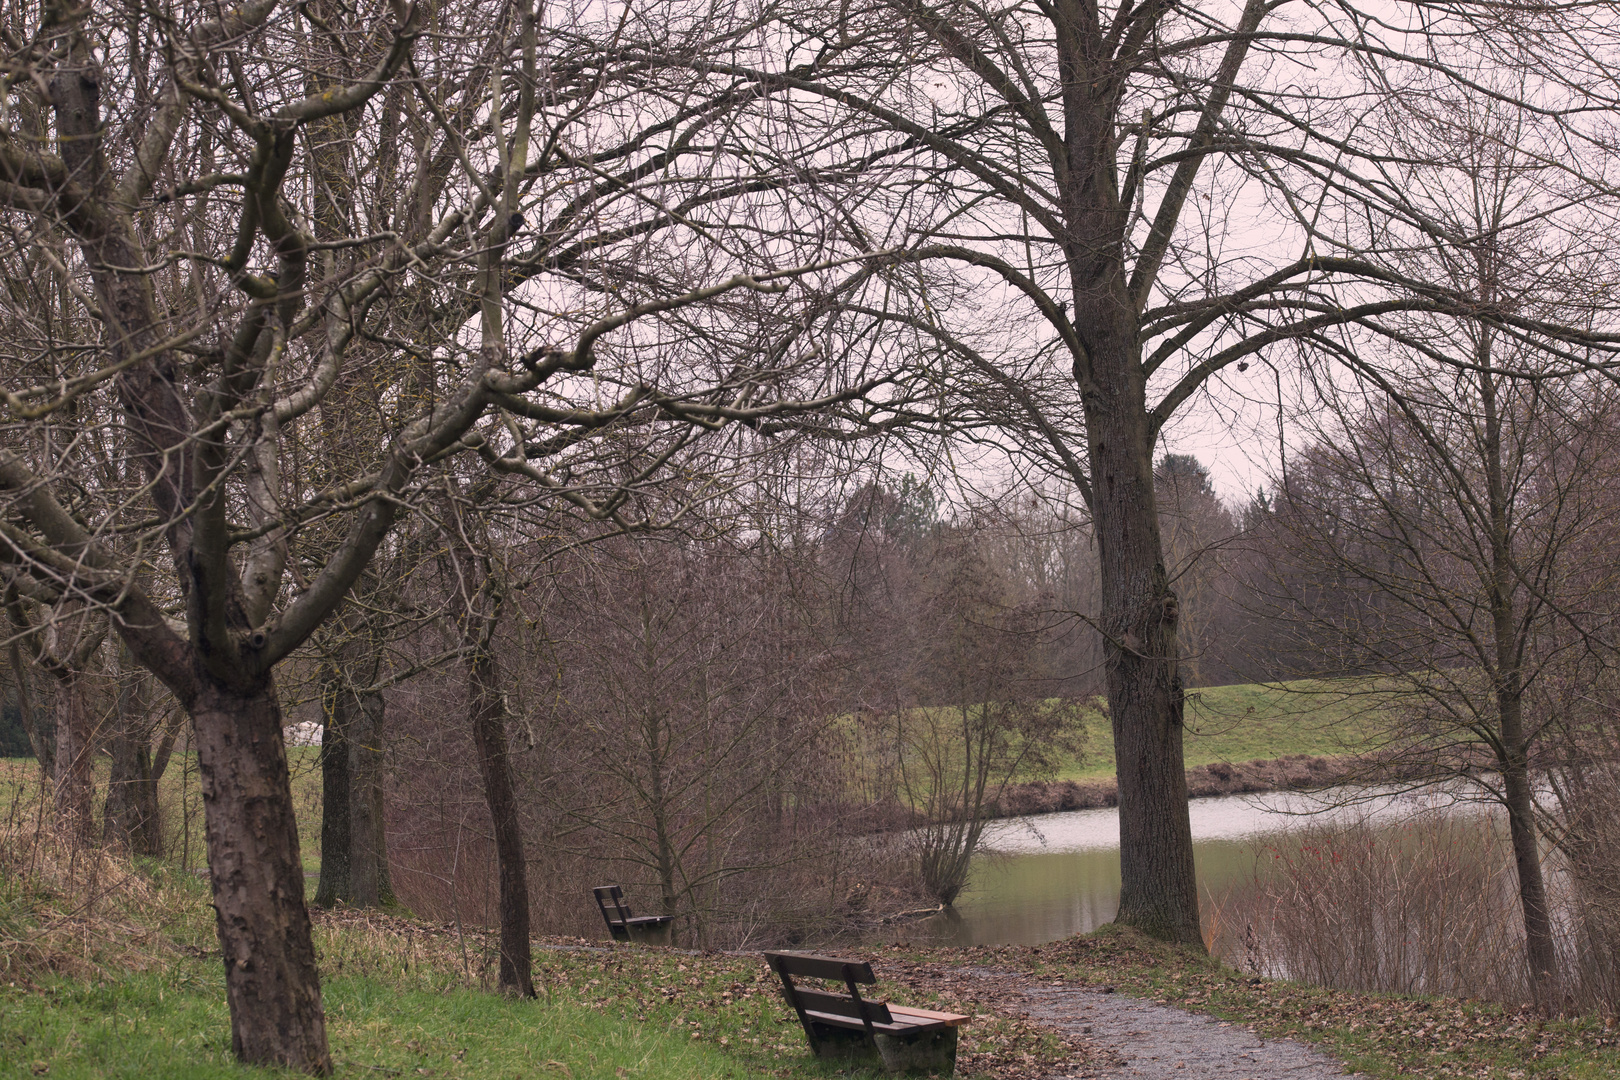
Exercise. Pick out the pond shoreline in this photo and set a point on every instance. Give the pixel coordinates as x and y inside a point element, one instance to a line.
<point>1291,772</point>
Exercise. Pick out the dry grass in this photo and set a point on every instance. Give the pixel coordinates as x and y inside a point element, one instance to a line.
<point>80,911</point>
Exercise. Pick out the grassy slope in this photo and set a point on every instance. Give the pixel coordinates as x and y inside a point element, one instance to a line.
<point>1253,720</point>
<point>174,1023</point>
<point>130,985</point>
<point>119,976</point>
<point>399,1003</point>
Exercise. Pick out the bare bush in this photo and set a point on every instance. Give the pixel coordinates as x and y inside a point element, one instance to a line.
<point>1425,907</point>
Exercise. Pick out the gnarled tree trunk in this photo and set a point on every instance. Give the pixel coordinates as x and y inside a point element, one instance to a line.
<point>271,982</point>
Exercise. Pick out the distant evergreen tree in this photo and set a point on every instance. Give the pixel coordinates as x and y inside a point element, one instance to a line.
<point>13,739</point>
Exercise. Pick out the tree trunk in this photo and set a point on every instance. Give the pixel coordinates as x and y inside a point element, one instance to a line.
<point>130,820</point>
<point>1514,748</point>
<point>1139,612</point>
<point>354,848</point>
<point>42,741</point>
<point>488,715</point>
<point>271,982</point>
<point>368,843</point>
<point>131,817</point>
<point>1538,928</point>
<point>337,836</point>
<point>1159,887</point>
<point>75,782</point>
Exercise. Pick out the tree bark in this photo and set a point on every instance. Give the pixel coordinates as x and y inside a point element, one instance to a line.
<point>368,841</point>
<point>1159,887</point>
<point>488,715</point>
<point>1540,949</point>
<point>271,982</point>
<point>130,820</point>
<point>75,782</point>
<point>337,835</point>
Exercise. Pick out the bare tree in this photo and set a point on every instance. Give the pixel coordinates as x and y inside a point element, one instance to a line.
<point>1447,528</point>
<point>1076,195</point>
<point>979,715</point>
<point>679,713</point>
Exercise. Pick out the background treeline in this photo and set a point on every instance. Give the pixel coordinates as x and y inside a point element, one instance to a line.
<point>725,715</point>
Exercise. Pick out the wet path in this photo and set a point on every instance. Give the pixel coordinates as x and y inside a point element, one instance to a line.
<point>1142,1040</point>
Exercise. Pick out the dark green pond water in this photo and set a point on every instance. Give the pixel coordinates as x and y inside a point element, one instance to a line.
<point>1050,876</point>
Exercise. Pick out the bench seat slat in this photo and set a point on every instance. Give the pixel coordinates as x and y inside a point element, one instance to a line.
<point>835,1020</point>
<point>648,920</point>
<point>901,1012</point>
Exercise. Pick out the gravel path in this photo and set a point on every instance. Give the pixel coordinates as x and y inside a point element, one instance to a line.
<point>1143,1040</point>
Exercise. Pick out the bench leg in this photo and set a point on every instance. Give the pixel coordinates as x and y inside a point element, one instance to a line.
<point>924,1052</point>
<point>843,1045</point>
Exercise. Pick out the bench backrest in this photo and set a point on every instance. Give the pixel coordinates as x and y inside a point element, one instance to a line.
<point>615,912</point>
<point>789,966</point>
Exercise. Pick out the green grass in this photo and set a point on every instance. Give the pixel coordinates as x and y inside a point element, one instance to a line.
<point>1255,720</point>
<point>173,1023</point>
<point>109,972</point>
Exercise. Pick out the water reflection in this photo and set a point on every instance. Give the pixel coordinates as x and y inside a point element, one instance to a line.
<point>1058,874</point>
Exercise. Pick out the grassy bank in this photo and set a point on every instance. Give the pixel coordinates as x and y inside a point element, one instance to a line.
<point>1255,721</point>
<point>108,970</point>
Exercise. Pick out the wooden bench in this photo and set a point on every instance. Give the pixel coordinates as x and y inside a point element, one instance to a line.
<point>847,1026</point>
<point>647,929</point>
